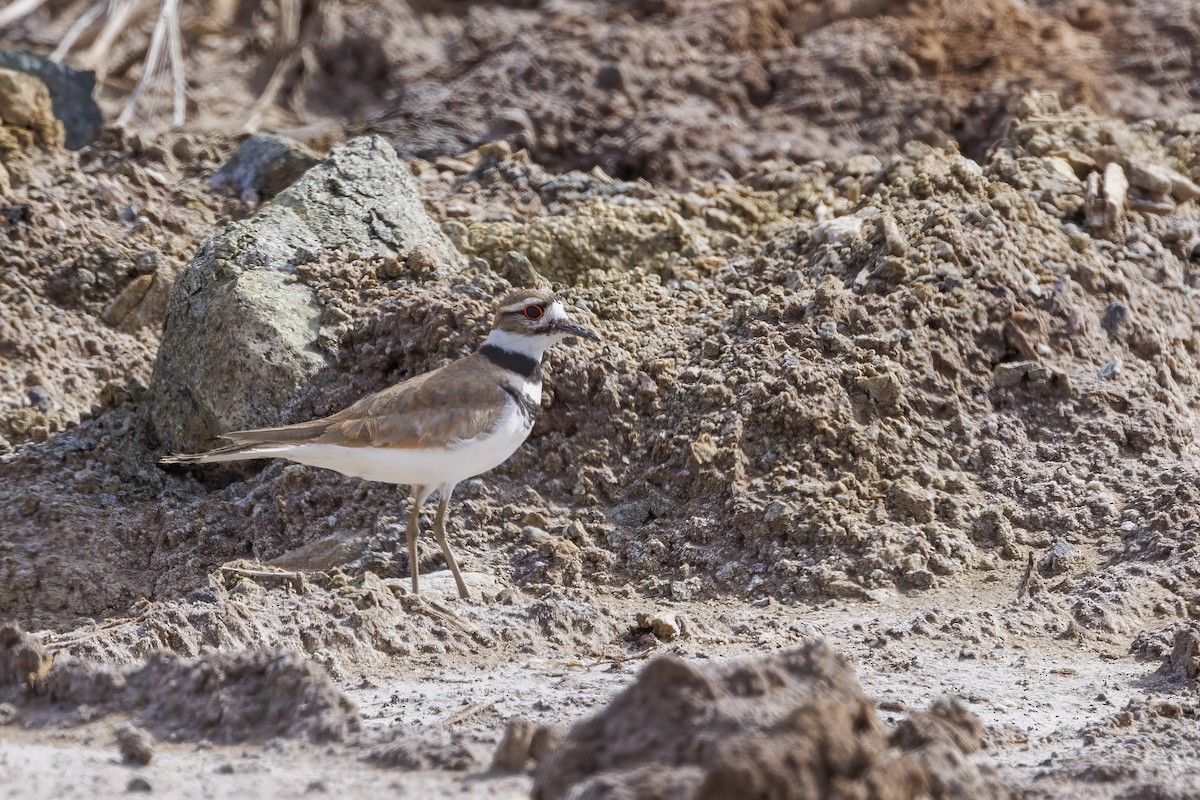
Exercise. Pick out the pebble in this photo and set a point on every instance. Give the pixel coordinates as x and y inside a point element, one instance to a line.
<point>1058,559</point>
<point>1010,373</point>
<point>136,745</point>
<point>1115,315</point>
<point>916,500</point>
<point>39,398</point>
<point>664,624</point>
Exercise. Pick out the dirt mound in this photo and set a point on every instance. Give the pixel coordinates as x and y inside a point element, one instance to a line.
<point>794,724</point>
<point>820,381</point>
<point>663,90</point>
<point>219,697</point>
<point>93,241</point>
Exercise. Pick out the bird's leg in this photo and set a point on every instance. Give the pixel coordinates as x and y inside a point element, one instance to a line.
<point>439,533</point>
<point>410,533</point>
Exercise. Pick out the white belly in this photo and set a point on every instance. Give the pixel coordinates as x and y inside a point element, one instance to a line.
<point>423,467</point>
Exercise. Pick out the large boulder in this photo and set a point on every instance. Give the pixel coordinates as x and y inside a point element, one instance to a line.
<point>240,333</point>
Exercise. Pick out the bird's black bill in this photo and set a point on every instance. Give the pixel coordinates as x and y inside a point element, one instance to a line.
<point>571,329</point>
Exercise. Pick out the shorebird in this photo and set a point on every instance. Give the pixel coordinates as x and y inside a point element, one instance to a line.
<point>434,430</point>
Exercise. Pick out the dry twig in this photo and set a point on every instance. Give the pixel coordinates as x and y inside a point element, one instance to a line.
<point>77,29</point>
<point>167,28</point>
<point>18,11</point>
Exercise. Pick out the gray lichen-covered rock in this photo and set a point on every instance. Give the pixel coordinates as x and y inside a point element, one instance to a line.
<point>240,333</point>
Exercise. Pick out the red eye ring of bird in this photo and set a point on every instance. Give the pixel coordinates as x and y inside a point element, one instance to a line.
<point>534,312</point>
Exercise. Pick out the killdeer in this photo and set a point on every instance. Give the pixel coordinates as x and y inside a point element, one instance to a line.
<point>434,430</point>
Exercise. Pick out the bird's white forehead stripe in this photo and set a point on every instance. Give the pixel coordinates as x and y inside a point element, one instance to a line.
<point>554,310</point>
<point>518,306</point>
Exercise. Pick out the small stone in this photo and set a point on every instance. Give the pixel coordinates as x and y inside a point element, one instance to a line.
<point>1010,373</point>
<point>495,152</point>
<point>1183,664</point>
<point>534,534</point>
<point>263,166</point>
<point>546,740</point>
<point>680,591</point>
<point>512,753</point>
<point>862,165</point>
<point>704,449</point>
<point>632,513</point>
<point>125,302</point>
<point>664,624</point>
<point>247,588</point>
<point>423,260</point>
<point>1153,179</point>
<point>391,268</point>
<point>609,77</point>
<point>1115,314</point>
<point>136,745</point>
<point>919,579</point>
<point>518,270</point>
<point>915,500</point>
<point>510,596</point>
<point>847,590</point>
<point>1081,163</point>
<point>893,237</point>
<point>1058,559</point>
<point>138,785</point>
<point>1183,188</point>
<point>883,389</point>
<point>70,94</point>
<point>39,398</point>
<point>22,657</point>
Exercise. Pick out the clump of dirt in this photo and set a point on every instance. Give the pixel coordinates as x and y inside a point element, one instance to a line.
<point>669,91</point>
<point>1182,665</point>
<point>413,749</point>
<point>22,657</point>
<point>795,724</point>
<point>220,697</point>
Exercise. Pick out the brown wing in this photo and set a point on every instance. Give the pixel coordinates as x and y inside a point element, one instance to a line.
<point>461,400</point>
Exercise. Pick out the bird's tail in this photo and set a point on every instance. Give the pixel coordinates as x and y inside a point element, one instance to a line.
<point>232,452</point>
<point>255,443</point>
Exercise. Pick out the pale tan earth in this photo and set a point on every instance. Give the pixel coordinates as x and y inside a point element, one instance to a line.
<point>933,404</point>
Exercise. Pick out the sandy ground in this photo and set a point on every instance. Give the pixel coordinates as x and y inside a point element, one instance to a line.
<point>1033,694</point>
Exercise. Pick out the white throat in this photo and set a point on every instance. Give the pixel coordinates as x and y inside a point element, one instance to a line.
<point>532,346</point>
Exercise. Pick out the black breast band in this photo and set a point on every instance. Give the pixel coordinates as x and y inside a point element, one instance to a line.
<point>524,365</point>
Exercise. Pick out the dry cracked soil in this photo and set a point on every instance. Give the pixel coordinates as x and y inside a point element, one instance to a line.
<point>883,482</point>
